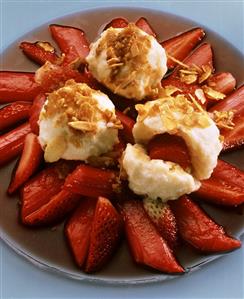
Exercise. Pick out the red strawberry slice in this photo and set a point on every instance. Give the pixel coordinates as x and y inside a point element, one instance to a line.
<point>147,246</point>
<point>117,23</point>
<point>51,77</point>
<point>11,143</point>
<point>128,124</point>
<point>72,42</point>
<point>38,190</point>
<point>199,230</point>
<point>234,138</point>
<point>78,229</point>
<point>54,210</point>
<point>161,215</point>
<point>144,25</point>
<point>105,235</point>
<point>181,45</point>
<point>29,162</point>
<point>35,112</point>
<point>90,181</point>
<point>203,55</point>
<point>17,86</point>
<point>223,82</point>
<point>225,187</point>
<point>38,53</point>
<point>169,148</point>
<point>13,114</point>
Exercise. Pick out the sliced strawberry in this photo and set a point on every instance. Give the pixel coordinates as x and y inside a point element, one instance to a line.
<point>147,246</point>
<point>17,86</point>
<point>38,53</point>
<point>169,148</point>
<point>54,210</point>
<point>181,45</point>
<point>35,112</point>
<point>117,23</point>
<point>11,143</point>
<point>51,77</point>
<point>233,138</point>
<point>128,124</point>
<point>203,55</point>
<point>199,230</point>
<point>223,82</point>
<point>144,25</point>
<point>90,181</point>
<point>72,42</point>
<point>161,215</point>
<point>78,229</point>
<point>29,162</point>
<point>224,187</point>
<point>13,113</point>
<point>105,235</point>
<point>38,190</point>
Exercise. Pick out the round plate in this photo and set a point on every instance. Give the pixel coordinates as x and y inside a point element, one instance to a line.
<point>47,247</point>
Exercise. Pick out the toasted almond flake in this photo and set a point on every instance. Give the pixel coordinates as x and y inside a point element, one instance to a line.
<point>207,71</point>
<point>199,107</point>
<point>224,119</point>
<point>188,79</point>
<point>213,94</point>
<point>83,126</point>
<point>188,72</point>
<point>170,90</point>
<point>200,95</point>
<point>46,46</point>
<point>177,61</point>
<point>55,149</point>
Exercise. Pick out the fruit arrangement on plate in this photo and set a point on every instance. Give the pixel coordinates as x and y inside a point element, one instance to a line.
<point>121,138</point>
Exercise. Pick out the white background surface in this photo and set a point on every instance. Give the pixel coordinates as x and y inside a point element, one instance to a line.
<point>223,278</point>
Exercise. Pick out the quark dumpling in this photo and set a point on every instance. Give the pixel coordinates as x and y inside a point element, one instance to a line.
<point>128,61</point>
<point>156,178</point>
<point>178,116</point>
<point>77,122</point>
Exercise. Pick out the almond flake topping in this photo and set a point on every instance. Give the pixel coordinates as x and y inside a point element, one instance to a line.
<point>46,46</point>
<point>213,94</point>
<point>224,119</point>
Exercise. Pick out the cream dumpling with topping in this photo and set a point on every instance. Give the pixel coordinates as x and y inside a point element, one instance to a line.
<point>77,122</point>
<point>128,61</point>
<point>182,117</point>
<point>156,178</point>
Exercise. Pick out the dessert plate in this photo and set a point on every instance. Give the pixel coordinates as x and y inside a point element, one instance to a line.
<point>47,247</point>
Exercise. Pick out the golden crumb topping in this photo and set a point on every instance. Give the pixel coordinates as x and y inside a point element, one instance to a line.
<point>224,119</point>
<point>174,112</point>
<point>75,104</point>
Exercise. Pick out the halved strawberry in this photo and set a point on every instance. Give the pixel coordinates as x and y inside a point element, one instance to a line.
<point>78,229</point>
<point>35,112</point>
<point>223,82</point>
<point>161,215</point>
<point>38,190</point>
<point>233,138</point>
<point>17,86</point>
<point>128,124</point>
<point>105,235</point>
<point>198,229</point>
<point>72,42</point>
<point>51,77</point>
<point>144,25</point>
<point>11,143</point>
<point>58,206</point>
<point>39,52</point>
<point>29,162</point>
<point>90,181</point>
<point>14,113</point>
<point>117,23</point>
<point>224,187</point>
<point>147,246</point>
<point>169,148</point>
<point>203,55</point>
<point>181,45</point>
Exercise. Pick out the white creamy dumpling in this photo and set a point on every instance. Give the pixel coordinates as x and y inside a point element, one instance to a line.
<point>128,61</point>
